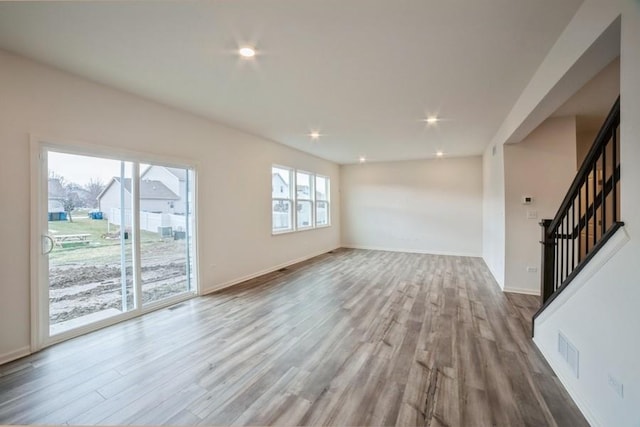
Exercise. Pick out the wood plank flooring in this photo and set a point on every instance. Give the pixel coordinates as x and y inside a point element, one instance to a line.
<point>352,337</point>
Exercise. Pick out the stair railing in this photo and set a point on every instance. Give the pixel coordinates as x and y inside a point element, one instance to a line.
<point>588,215</point>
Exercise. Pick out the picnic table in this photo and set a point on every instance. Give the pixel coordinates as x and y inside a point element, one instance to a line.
<point>61,239</point>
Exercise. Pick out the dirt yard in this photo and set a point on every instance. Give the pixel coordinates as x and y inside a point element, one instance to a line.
<point>78,291</point>
<point>87,279</point>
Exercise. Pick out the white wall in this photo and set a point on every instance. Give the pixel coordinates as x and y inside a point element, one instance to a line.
<point>493,211</point>
<point>599,312</point>
<point>541,166</point>
<point>430,206</point>
<point>602,316</point>
<point>584,142</point>
<point>234,234</point>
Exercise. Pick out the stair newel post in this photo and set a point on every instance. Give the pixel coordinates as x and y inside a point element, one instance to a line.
<point>548,261</point>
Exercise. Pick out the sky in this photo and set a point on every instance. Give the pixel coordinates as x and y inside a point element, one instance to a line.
<point>81,169</point>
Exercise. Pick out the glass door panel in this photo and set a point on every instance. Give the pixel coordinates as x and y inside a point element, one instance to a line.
<point>90,274</point>
<point>166,225</point>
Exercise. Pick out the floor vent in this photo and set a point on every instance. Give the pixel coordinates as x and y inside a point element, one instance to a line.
<point>283,269</point>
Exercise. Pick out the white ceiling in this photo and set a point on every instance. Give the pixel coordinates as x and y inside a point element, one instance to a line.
<point>362,72</point>
<point>594,100</point>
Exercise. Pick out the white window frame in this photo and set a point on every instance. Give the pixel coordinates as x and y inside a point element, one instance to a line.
<point>293,200</point>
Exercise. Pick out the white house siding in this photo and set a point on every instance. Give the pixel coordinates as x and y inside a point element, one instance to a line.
<point>110,199</point>
<point>178,186</point>
<point>279,188</point>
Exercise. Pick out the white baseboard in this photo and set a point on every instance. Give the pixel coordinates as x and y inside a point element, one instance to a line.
<point>413,251</point>
<point>521,291</point>
<point>575,395</point>
<point>234,282</point>
<point>13,355</point>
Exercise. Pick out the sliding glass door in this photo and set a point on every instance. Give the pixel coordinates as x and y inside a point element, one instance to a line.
<point>166,224</point>
<point>117,239</point>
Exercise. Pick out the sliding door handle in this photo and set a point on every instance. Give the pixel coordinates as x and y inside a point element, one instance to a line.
<point>51,244</point>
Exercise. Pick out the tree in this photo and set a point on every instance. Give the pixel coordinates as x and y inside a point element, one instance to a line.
<point>69,204</point>
<point>73,195</point>
<point>93,188</point>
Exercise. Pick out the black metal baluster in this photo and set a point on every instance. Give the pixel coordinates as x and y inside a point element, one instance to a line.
<point>614,182</point>
<point>547,287</point>
<point>573,234</point>
<point>556,265</point>
<point>566,245</point>
<point>603,215</point>
<point>586,214</point>
<point>595,196</point>
<point>579,224</point>
<point>561,250</point>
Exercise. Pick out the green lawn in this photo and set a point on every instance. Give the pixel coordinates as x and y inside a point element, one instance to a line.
<point>103,245</point>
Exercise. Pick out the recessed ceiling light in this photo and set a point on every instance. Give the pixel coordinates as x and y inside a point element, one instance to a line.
<point>439,153</point>
<point>432,120</point>
<point>247,52</point>
<point>363,159</point>
<point>315,135</point>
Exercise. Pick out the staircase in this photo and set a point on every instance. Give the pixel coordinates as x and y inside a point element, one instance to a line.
<point>588,215</point>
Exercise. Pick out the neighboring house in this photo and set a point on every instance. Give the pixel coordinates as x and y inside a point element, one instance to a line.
<point>155,196</point>
<point>303,191</point>
<point>279,188</point>
<point>174,179</point>
<point>280,214</point>
<point>56,196</point>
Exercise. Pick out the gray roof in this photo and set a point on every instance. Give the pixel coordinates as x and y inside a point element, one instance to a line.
<point>149,189</point>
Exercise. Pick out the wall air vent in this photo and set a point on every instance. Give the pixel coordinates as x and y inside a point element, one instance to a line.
<point>569,353</point>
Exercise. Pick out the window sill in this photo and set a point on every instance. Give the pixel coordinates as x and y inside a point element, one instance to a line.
<point>299,230</point>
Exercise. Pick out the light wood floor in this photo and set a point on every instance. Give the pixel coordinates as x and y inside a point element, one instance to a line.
<point>350,338</point>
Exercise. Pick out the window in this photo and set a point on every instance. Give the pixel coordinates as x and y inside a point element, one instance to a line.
<point>304,200</point>
<point>322,201</point>
<point>282,199</point>
<point>308,192</point>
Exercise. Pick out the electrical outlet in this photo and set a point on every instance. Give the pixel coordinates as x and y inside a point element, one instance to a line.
<point>532,214</point>
<point>532,269</point>
<point>616,385</point>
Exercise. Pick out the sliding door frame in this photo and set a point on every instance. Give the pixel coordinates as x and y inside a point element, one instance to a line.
<point>39,280</point>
